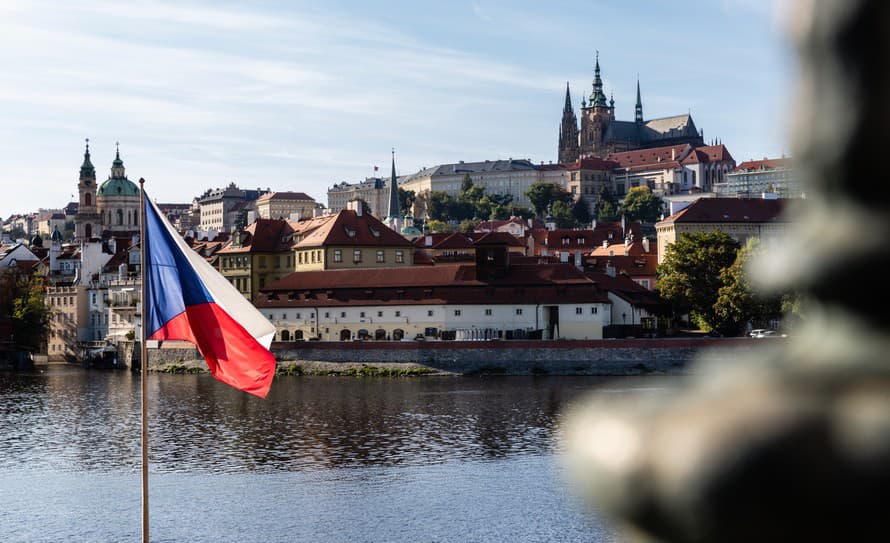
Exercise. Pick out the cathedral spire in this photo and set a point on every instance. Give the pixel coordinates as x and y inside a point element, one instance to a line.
<point>568,106</point>
<point>568,132</point>
<point>597,97</point>
<point>638,110</point>
<point>393,212</point>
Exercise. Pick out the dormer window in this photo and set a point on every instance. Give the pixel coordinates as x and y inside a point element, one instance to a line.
<point>349,231</point>
<point>374,232</point>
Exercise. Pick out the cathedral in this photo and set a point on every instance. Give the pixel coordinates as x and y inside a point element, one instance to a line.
<point>112,207</point>
<point>601,135</point>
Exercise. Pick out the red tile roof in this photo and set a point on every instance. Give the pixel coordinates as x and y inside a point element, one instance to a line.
<point>725,210</point>
<point>710,153</point>
<point>649,157</point>
<point>350,229</point>
<point>631,292</point>
<point>592,163</point>
<point>263,236</point>
<point>451,283</point>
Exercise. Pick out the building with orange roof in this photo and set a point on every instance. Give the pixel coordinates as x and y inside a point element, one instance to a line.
<point>352,239</point>
<point>259,254</point>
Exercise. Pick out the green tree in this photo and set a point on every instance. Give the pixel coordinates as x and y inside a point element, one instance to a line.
<point>562,214</point>
<point>581,212</point>
<point>406,201</point>
<point>640,204</point>
<point>437,203</point>
<point>467,225</point>
<point>543,195</point>
<point>22,298</point>
<point>737,303</point>
<point>466,184</point>
<point>606,207</point>
<point>439,227</point>
<point>690,275</point>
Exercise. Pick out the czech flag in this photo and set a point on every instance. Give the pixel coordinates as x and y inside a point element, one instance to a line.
<point>186,299</point>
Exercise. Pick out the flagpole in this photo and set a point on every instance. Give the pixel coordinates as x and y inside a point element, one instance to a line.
<point>143,362</point>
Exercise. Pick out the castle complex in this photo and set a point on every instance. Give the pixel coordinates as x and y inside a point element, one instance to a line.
<point>601,135</point>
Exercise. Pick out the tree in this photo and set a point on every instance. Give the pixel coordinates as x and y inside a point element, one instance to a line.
<point>690,275</point>
<point>22,298</point>
<point>581,213</point>
<point>640,204</point>
<point>439,227</point>
<point>466,184</point>
<point>562,214</point>
<point>606,208</point>
<point>543,195</point>
<point>406,201</point>
<point>467,225</point>
<point>437,203</point>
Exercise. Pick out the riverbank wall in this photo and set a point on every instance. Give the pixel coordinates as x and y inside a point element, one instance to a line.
<point>560,357</point>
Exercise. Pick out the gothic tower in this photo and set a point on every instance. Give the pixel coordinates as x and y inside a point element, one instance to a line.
<point>596,118</point>
<point>638,110</point>
<point>87,222</point>
<point>568,132</point>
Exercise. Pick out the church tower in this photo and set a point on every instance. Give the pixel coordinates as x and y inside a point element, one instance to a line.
<point>393,211</point>
<point>638,110</point>
<point>568,132</point>
<point>87,222</point>
<point>596,118</point>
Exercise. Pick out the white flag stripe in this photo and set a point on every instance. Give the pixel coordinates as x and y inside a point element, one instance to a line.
<point>224,293</point>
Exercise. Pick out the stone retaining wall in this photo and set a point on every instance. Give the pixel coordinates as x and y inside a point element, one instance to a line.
<point>600,357</point>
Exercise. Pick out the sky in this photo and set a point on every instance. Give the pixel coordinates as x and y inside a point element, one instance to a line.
<point>297,96</point>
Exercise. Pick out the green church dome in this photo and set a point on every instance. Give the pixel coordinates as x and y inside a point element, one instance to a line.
<point>118,186</point>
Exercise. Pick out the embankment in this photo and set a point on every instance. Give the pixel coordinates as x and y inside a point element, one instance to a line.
<point>561,357</point>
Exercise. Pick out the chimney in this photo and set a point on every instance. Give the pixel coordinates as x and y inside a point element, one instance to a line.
<point>605,244</point>
<point>673,154</point>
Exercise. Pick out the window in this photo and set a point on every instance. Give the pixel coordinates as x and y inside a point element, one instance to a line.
<point>356,256</point>
<point>400,257</point>
<point>519,311</point>
<point>578,311</point>
<point>361,315</point>
<point>594,310</point>
<point>380,257</point>
<point>298,316</point>
<point>327,315</point>
<point>284,316</point>
<point>488,312</point>
<point>398,313</point>
<point>338,255</point>
<point>457,312</point>
<point>380,313</point>
<point>342,314</point>
<point>429,313</point>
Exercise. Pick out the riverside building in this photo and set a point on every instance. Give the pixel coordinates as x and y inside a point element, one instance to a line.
<point>486,300</point>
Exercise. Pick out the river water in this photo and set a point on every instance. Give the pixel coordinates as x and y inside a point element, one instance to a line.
<point>339,459</point>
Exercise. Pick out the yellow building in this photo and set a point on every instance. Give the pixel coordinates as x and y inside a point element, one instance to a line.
<point>257,255</point>
<point>353,239</point>
<point>282,205</point>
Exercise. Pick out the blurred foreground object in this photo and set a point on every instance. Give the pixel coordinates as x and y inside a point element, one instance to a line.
<point>792,444</point>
